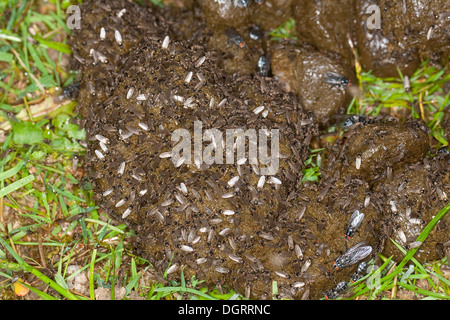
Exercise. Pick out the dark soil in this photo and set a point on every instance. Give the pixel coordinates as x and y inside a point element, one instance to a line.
<point>287,232</point>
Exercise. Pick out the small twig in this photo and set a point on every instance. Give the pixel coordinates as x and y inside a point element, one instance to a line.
<point>41,251</point>
<point>358,67</point>
<point>358,70</point>
<point>52,32</point>
<point>79,294</point>
<point>422,112</point>
<point>394,288</point>
<point>17,104</point>
<point>16,250</point>
<point>78,255</point>
<point>392,268</point>
<point>30,115</point>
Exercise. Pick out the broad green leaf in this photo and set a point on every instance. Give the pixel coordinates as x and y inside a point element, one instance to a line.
<point>27,133</point>
<point>5,56</point>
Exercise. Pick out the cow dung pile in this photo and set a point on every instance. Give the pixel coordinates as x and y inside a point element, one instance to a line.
<point>237,224</point>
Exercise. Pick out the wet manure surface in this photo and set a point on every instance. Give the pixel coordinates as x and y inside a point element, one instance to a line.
<point>148,74</point>
<point>409,31</point>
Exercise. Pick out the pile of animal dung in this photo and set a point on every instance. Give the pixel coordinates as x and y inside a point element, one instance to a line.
<point>210,66</point>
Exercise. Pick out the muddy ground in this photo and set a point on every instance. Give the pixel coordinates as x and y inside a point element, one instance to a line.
<point>158,70</point>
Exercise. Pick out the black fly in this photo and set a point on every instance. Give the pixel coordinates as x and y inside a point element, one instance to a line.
<point>255,32</point>
<point>354,223</point>
<point>263,66</point>
<point>336,79</point>
<point>241,3</point>
<point>343,285</point>
<point>333,293</point>
<point>352,256</point>
<point>71,91</point>
<point>235,37</point>
<point>362,267</point>
<point>354,119</point>
<point>443,150</point>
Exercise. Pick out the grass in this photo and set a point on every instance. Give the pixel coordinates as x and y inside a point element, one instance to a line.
<point>424,98</point>
<point>390,275</point>
<point>48,219</point>
<point>311,170</point>
<point>285,31</point>
<point>41,170</point>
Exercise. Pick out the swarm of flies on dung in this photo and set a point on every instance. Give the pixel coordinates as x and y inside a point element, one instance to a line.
<point>187,240</point>
<point>186,236</point>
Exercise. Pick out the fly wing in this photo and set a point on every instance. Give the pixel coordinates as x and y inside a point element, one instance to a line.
<point>331,74</point>
<point>331,77</point>
<point>359,254</point>
<point>356,219</point>
<point>355,247</point>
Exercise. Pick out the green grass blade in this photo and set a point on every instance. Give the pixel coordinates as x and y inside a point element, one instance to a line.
<point>26,267</point>
<point>16,185</point>
<point>184,290</point>
<point>61,47</point>
<point>11,172</point>
<point>423,235</point>
<point>91,275</point>
<point>109,226</point>
<point>42,294</point>
<point>423,291</point>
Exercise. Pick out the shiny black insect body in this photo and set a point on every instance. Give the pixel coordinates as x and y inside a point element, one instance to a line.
<point>354,119</point>
<point>242,3</point>
<point>331,294</point>
<point>263,66</point>
<point>359,273</point>
<point>354,223</point>
<point>443,150</point>
<point>355,277</point>
<point>71,91</point>
<point>362,267</point>
<point>336,79</point>
<point>352,256</point>
<point>334,293</point>
<point>235,37</point>
<point>255,32</point>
